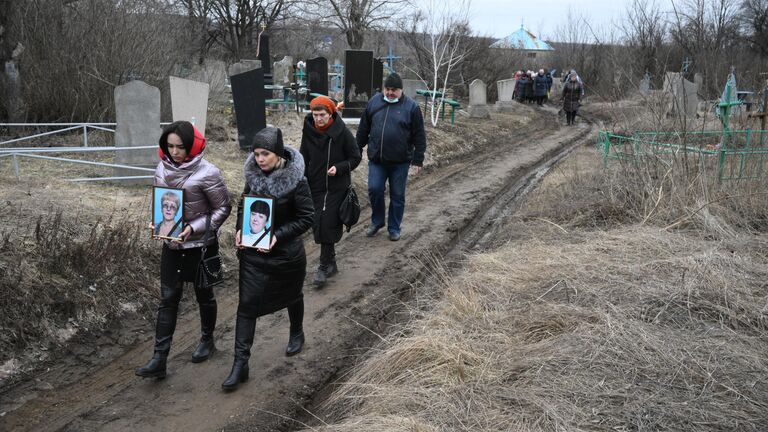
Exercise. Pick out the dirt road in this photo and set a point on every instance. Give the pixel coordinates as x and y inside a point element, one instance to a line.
<point>448,209</point>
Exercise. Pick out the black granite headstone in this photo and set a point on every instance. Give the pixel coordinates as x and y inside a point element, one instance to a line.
<point>248,97</point>
<point>266,60</point>
<point>317,75</point>
<point>358,75</point>
<point>378,75</point>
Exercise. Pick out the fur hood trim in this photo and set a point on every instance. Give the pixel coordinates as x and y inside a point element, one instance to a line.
<point>278,183</point>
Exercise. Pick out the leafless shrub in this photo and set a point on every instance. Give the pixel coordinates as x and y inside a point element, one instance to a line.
<point>78,51</point>
<point>70,272</point>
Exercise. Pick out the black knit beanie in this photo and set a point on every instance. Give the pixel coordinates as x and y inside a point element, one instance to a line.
<point>393,81</point>
<point>270,138</point>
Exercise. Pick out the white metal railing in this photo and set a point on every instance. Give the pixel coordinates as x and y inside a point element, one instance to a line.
<point>65,127</point>
<point>15,153</point>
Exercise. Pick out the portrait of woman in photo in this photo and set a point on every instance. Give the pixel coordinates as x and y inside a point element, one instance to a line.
<point>166,223</point>
<point>206,206</point>
<point>256,232</point>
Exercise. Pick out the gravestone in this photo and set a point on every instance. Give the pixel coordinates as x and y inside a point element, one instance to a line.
<point>263,56</point>
<point>13,99</point>
<point>189,101</point>
<point>506,90</point>
<point>684,99</point>
<point>378,77</point>
<point>411,85</point>
<point>557,89</point>
<point>137,112</point>
<point>645,86</point>
<point>248,97</point>
<point>213,72</point>
<point>478,100</point>
<point>283,71</point>
<point>243,66</point>
<point>317,75</point>
<point>358,76</point>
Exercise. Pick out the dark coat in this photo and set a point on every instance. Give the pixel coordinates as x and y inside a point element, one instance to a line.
<point>336,147</point>
<point>393,132</point>
<point>571,96</point>
<point>520,88</point>
<point>273,280</point>
<point>540,86</point>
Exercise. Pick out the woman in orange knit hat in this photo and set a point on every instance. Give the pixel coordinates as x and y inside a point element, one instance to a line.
<point>330,154</point>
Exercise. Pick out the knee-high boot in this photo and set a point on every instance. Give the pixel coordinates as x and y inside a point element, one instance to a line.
<point>207,304</point>
<point>164,329</point>
<point>296,337</point>
<point>245,328</point>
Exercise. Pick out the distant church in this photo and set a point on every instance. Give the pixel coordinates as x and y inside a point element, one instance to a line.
<point>525,41</point>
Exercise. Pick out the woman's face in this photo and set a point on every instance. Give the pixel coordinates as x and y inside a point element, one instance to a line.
<point>176,148</point>
<point>169,210</point>
<point>573,78</point>
<point>320,117</point>
<point>265,159</point>
<point>258,221</point>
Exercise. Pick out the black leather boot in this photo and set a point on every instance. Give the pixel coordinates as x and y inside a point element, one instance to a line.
<point>239,374</point>
<point>320,276</point>
<point>245,327</point>
<point>206,347</point>
<point>331,269</point>
<point>155,367</point>
<point>295,343</point>
<point>164,328</point>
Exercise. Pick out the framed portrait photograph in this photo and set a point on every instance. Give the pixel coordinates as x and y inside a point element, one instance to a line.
<point>257,222</point>
<point>167,212</point>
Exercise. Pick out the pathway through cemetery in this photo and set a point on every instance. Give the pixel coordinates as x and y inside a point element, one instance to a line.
<point>449,210</point>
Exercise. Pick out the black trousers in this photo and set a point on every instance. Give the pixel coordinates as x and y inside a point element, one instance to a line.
<point>327,253</point>
<point>177,267</point>
<point>570,116</point>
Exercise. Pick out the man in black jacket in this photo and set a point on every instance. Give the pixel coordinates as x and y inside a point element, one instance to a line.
<point>393,129</point>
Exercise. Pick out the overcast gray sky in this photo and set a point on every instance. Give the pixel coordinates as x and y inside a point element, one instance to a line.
<point>499,18</point>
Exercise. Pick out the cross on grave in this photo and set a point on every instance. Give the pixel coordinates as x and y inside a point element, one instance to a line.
<point>686,64</point>
<point>727,101</point>
<point>390,57</point>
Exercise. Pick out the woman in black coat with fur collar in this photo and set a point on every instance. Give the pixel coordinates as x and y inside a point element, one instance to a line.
<point>271,280</point>
<point>330,154</point>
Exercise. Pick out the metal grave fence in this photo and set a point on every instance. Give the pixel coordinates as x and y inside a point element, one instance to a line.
<point>736,155</point>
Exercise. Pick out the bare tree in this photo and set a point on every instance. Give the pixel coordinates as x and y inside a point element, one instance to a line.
<point>76,52</point>
<point>353,17</point>
<point>754,16</point>
<point>644,30</point>
<point>239,20</point>
<point>437,35</point>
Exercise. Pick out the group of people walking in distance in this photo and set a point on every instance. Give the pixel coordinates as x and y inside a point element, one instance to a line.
<point>307,187</point>
<point>536,87</point>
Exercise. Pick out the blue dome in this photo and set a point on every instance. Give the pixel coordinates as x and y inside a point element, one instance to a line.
<point>522,40</point>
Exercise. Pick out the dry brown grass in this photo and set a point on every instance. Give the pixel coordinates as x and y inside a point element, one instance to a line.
<point>631,329</point>
<point>618,299</point>
<point>65,271</point>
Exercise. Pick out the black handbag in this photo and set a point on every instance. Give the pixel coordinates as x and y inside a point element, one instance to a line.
<point>210,272</point>
<point>349,210</point>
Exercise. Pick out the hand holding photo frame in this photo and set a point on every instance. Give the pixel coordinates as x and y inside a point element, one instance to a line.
<point>256,229</point>
<point>167,213</point>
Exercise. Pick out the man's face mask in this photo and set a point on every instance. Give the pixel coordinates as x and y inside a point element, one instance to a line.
<point>395,100</point>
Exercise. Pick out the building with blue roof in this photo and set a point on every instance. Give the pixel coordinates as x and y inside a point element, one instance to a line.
<point>523,40</point>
